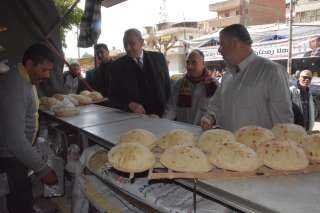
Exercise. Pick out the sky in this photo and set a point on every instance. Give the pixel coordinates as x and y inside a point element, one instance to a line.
<point>137,14</point>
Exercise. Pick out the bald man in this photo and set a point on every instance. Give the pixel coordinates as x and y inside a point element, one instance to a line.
<point>302,97</point>
<point>253,91</point>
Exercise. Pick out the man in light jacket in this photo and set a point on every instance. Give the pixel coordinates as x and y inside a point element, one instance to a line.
<point>19,125</point>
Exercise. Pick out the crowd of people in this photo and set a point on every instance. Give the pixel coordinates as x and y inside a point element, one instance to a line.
<point>252,91</point>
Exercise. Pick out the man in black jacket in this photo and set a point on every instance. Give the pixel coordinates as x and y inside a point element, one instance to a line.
<point>139,81</point>
<point>98,77</point>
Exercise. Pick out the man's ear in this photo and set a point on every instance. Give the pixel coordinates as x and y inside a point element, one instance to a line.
<point>234,43</point>
<point>28,64</point>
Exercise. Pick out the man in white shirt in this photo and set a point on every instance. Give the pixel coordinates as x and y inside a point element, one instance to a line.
<point>254,90</point>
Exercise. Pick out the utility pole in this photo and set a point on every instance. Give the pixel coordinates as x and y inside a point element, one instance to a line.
<point>78,38</point>
<point>289,64</point>
<point>163,12</point>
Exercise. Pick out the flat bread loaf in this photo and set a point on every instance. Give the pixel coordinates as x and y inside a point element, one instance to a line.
<point>85,92</point>
<point>59,97</point>
<point>311,147</point>
<point>140,136</point>
<point>176,137</point>
<point>95,96</point>
<point>235,156</point>
<point>289,131</point>
<point>98,160</point>
<point>131,157</point>
<point>282,154</point>
<point>66,112</point>
<point>209,139</point>
<point>83,100</point>
<point>253,135</point>
<point>184,158</point>
<point>48,102</point>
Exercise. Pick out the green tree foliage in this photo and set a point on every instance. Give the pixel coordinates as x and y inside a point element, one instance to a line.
<point>73,19</point>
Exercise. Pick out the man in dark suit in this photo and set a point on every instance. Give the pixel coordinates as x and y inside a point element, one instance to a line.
<point>139,81</point>
<point>98,77</point>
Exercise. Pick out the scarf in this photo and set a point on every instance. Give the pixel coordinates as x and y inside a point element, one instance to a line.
<point>185,92</point>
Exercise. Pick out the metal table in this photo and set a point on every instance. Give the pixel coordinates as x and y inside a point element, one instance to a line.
<point>292,193</point>
<point>108,134</point>
<point>94,108</point>
<point>91,115</point>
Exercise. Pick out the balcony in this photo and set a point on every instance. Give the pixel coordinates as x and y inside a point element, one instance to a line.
<point>225,5</point>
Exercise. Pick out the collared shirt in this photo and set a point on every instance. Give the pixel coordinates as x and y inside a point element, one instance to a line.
<point>256,95</point>
<point>139,60</point>
<point>141,57</point>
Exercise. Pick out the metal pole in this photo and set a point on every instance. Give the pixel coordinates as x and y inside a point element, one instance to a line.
<point>78,46</point>
<point>195,195</point>
<point>289,64</point>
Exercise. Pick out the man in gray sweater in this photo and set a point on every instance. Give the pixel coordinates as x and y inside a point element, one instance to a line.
<point>19,125</point>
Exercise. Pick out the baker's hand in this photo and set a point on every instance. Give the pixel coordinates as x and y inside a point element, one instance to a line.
<point>136,108</point>
<point>50,178</point>
<point>207,123</point>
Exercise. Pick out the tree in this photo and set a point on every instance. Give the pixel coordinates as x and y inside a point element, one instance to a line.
<point>73,19</point>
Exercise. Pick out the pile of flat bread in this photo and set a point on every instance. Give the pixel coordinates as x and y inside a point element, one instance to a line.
<point>65,105</point>
<point>285,147</point>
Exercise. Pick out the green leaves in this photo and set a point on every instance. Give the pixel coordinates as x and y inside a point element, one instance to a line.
<point>73,19</point>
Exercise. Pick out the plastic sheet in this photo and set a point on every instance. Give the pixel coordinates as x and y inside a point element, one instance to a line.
<point>57,164</point>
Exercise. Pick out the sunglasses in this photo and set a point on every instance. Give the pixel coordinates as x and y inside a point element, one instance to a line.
<point>306,77</point>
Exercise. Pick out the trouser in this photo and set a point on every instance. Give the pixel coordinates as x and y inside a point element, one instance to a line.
<point>20,199</point>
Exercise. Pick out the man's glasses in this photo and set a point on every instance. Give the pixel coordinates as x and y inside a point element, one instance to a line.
<point>306,78</point>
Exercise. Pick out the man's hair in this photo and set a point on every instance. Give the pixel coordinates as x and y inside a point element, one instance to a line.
<point>237,31</point>
<point>198,52</point>
<point>100,46</point>
<point>38,53</point>
<point>132,31</point>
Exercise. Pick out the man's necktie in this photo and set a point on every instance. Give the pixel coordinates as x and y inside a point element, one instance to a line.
<point>139,62</point>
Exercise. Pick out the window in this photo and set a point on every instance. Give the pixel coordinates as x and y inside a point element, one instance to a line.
<point>318,15</point>
<point>303,17</point>
<point>237,12</point>
<point>227,14</point>
<point>307,16</point>
<point>312,15</point>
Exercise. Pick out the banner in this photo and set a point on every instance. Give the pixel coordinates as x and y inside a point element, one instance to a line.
<point>86,64</point>
<point>273,50</point>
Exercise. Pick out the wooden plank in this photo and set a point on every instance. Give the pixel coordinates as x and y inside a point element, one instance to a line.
<point>216,174</point>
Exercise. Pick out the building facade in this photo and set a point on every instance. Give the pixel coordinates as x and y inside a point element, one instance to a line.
<point>169,38</point>
<point>248,12</point>
<point>307,11</point>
